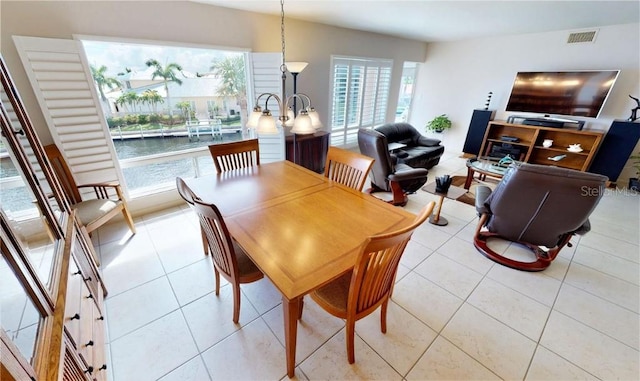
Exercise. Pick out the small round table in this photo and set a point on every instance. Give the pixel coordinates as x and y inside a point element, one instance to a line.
<point>484,167</point>
<point>452,193</point>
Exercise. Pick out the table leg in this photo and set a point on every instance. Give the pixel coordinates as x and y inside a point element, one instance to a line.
<point>467,182</point>
<point>435,218</point>
<point>291,309</point>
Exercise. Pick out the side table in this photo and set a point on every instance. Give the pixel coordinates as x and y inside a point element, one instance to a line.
<point>309,151</point>
<point>452,193</point>
<point>484,167</point>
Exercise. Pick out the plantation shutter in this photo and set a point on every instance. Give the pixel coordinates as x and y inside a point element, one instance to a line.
<point>359,97</point>
<point>267,78</point>
<point>63,85</point>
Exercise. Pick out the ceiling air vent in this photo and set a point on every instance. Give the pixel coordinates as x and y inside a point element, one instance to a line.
<point>578,37</point>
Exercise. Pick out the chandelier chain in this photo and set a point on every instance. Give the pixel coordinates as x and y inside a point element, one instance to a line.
<point>282,66</point>
<point>265,123</point>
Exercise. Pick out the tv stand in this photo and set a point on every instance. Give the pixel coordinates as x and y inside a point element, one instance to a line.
<point>531,150</point>
<point>547,121</point>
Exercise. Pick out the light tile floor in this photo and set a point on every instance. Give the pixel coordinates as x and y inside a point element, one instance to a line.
<point>455,315</point>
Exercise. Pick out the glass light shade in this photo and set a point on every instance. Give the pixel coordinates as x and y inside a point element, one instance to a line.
<point>302,124</point>
<point>252,122</point>
<point>315,119</point>
<point>267,124</point>
<point>296,67</point>
<point>289,122</point>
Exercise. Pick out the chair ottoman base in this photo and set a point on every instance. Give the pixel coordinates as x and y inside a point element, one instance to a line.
<point>543,257</point>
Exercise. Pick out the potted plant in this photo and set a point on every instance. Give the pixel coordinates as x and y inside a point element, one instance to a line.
<point>634,182</point>
<point>439,123</point>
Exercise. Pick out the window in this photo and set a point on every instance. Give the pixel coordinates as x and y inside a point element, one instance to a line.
<point>166,108</point>
<point>359,96</point>
<point>405,96</point>
<point>73,108</point>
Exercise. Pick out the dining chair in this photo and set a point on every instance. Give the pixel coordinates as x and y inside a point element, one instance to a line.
<point>229,259</point>
<point>94,212</point>
<point>369,285</point>
<point>347,167</point>
<point>234,155</point>
<point>185,192</point>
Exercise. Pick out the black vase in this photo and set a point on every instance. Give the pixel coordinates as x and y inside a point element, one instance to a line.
<point>443,183</point>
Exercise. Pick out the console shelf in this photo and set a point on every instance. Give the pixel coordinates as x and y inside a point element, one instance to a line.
<point>529,146</point>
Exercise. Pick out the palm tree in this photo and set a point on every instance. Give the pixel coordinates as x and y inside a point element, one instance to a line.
<point>151,97</point>
<point>233,84</point>
<point>129,98</point>
<point>101,80</point>
<point>122,101</point>
<point>185,109</point>
<point>168,74</point>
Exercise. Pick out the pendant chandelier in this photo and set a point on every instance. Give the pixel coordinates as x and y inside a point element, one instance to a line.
<point>306,122</point>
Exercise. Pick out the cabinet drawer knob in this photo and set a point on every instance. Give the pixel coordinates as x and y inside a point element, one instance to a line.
<point>76,316</point>
<point>87,279</point>
<point>89,370</point>
<point>103,367</point>
<point>100,318</point>
<point>90,343</point>
<point>89,296</point>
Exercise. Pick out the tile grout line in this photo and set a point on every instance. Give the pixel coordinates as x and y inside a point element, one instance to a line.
<point>439,334</point>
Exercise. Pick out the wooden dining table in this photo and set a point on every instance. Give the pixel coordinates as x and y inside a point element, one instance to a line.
<point>300,228</point>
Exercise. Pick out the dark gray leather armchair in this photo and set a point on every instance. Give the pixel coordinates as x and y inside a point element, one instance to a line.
<point>386,174</point>
<point>419,151</point>
<point>536,205</point>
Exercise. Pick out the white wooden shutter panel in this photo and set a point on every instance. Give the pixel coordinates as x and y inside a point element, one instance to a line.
<point>271,147</point>
<point>267,78</point>
<point>359,97</point>
<point>61,80</point>
<point>382,94</point>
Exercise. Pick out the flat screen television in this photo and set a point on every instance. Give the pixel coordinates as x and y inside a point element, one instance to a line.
<point>571,93</point>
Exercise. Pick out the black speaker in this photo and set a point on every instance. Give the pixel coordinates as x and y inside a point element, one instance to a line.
<point>478,125</point>
<point>615,149</point>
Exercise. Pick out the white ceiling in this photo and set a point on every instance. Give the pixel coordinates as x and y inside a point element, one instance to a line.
<point>429,20</point>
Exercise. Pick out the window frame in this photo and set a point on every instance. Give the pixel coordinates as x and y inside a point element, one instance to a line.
<point>365,103</point>
<point>409,70</point>
<point>162,157</point>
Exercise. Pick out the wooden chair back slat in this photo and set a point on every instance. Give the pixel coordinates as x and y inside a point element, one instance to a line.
<point>218,237</point>
<point>370,284</point>
<point>374,272</point>
<point>63,173</point>
<point>347,168</point>
<point>235,155</point>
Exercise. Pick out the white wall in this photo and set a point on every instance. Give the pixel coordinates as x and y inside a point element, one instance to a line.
<point>457,76</point>
<point>454,79</point>
<point>201,24</point>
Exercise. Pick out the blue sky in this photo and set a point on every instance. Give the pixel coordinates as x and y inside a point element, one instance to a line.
<point>117,56</point>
